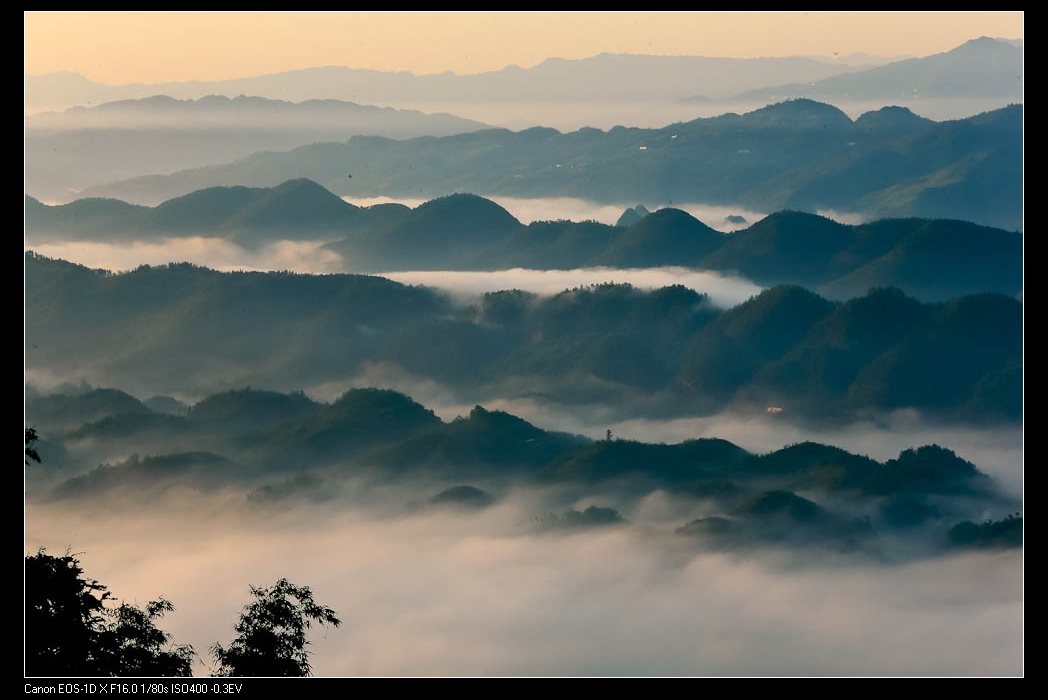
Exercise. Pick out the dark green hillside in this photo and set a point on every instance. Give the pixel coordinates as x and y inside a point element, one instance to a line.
<point>555,245</point>
<point>666,236</point>
<point>729,351</point>
<point>684,464</point>
<point>992,534</point>
<point>294,209</point>
<point>780,504</point>
<point>935,260</point>
<point>814,466</point>
<point>612,332</point>
<point>56,413</point>
<point>128,428</point>
<point>826,362</point>
<point>357,421</point>
<point>83,219</point>
<point>584,310</point>
<point>476,214</point>
<point>891,119</point>
<point>997,396</point>
<point>254,409</point>
<point>775,319</point>
<point>487,443</point>
<point>966,343</point>
<point>450,232</point>
<point>783,247</point>
<point>449,350</point>
<point>930,469</point>
<point>203,210</point>
<point>781,517</point>
<point>507,308</point>
<point>799,113</point>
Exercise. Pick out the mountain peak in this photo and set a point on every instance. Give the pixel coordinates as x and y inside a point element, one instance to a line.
<point>474,209</point>
<point>799,112</point>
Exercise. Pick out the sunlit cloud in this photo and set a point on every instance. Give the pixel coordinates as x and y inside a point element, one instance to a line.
<point>724,291</point>
<point>214,253</point>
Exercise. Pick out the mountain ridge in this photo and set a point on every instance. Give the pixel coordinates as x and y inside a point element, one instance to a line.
<point>668,350</point>
<point>798,154</point>
<point>928,258</point>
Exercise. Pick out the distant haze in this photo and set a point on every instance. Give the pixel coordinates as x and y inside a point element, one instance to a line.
<point>143,47</point>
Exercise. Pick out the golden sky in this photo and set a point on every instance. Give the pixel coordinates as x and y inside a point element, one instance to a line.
<point>148,47</point>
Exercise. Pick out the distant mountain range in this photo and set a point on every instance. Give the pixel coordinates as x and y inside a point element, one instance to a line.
<point>296,449</point>
<point>180,329</point>
<point>104,134</point>
<point>799,155</point>
<point>931,259</point>
<point>609,77</point>
<point>68,151</point>
<point>982,67</point>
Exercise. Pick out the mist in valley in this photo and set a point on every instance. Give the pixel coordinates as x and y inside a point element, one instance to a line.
<point>462,592</point>
<point>427,586</point>
<point>313,257</point>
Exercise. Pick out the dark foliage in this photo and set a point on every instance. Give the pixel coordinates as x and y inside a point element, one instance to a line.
<point>271,634</point>
<point>30,440</point>
<point>70,630</point>
<point>1007,532</point>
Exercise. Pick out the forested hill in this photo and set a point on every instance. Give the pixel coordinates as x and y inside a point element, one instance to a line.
<point>933,259</point>
<point>177,329</point>
<point>279,450</point>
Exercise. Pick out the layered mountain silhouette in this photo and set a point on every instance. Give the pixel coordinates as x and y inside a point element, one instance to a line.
<point>933,259</point>
<point>68,151</point>
<point>984,66</point>
<point>606,77</point>
<point>798,155</point>
<point>667,350</point>
<point>318,449</point>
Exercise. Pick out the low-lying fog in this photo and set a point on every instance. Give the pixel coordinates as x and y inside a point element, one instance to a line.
<point>446,593</point>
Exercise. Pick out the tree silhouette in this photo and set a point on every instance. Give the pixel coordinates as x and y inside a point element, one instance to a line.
<point>132,644</point>
<point>271,633</point>
<point>69,630</point>
<point>63,612</point>
<point>30,440</point>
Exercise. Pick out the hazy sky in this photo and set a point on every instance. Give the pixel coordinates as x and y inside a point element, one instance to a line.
<point>129,47</point>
